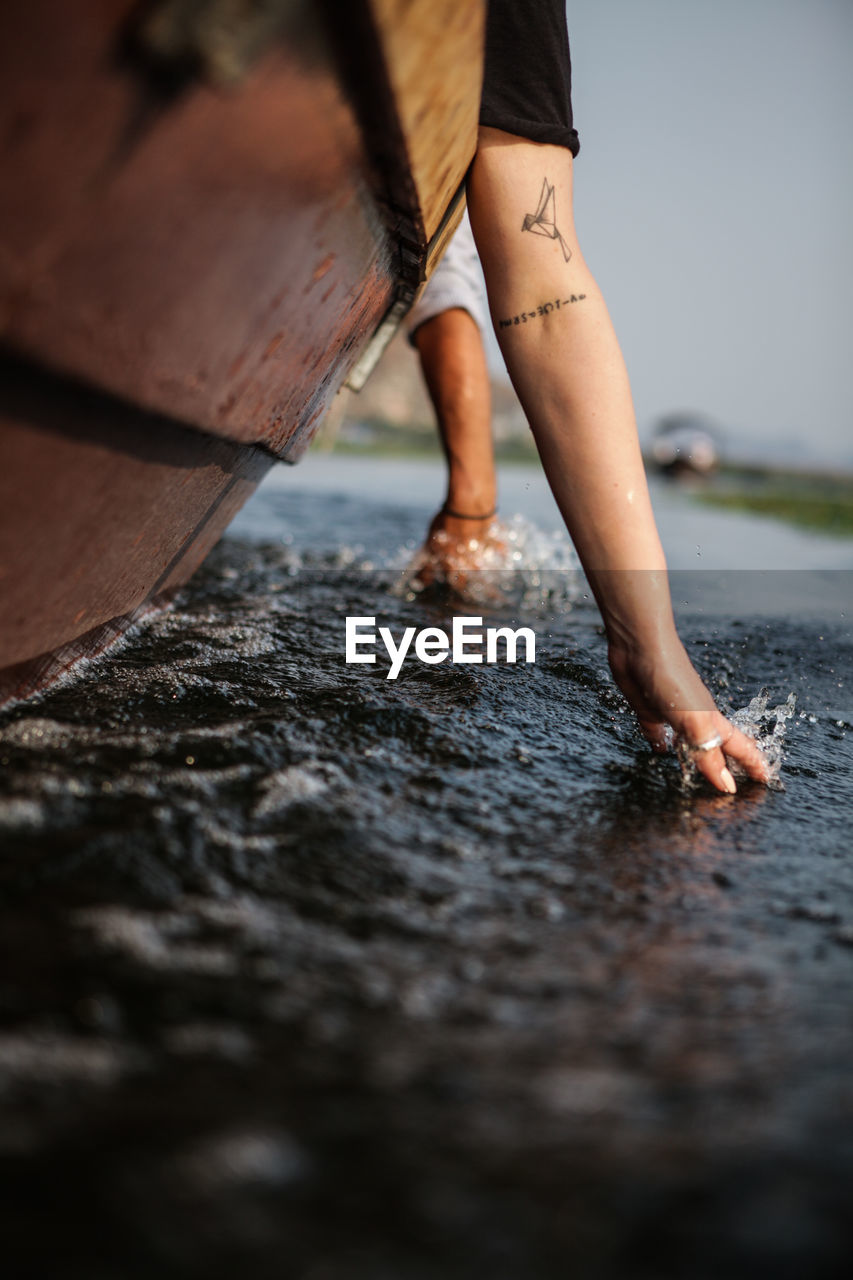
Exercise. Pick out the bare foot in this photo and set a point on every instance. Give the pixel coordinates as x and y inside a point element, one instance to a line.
<point>457,547</point>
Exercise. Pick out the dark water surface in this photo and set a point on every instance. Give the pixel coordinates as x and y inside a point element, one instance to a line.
<point>310,973</point>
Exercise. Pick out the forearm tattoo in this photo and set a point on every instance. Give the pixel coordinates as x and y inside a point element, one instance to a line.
<point>544,221</point>
<point>544,309</point>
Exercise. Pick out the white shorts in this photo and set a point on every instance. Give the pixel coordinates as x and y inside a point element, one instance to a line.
<point>456,282</point>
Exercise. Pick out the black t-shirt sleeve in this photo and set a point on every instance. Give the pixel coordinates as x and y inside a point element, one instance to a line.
<point>527,82</point>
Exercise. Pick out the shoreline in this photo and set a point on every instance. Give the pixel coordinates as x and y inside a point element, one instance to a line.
<point>814,499</point>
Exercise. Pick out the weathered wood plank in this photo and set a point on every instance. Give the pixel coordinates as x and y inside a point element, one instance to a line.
<point>434,55</point>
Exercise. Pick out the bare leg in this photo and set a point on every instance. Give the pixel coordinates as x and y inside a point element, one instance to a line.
<point>564,359</point>
<point>457,378</point>
<point>454,367</point>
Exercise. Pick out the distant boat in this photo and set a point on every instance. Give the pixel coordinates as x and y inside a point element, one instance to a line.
<point>211,217</point>
<point>686,445</point>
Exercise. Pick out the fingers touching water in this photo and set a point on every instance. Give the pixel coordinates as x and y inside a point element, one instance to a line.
<point>668,697</point>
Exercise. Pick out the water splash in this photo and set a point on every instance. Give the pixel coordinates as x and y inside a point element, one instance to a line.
<point>515,562</point>
<point>767,726</point>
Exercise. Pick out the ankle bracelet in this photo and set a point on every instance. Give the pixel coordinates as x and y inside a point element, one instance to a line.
<point>461,515</point>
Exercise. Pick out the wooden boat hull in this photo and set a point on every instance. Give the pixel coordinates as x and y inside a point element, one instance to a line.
<point>142,498</point>
<point>205,219</point>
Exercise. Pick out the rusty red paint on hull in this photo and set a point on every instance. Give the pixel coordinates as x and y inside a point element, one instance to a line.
<point>209,259</point>
<point>143,500</point>
<point>174,255</point>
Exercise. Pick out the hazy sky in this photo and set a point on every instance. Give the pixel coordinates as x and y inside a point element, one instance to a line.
<point>714,202</point>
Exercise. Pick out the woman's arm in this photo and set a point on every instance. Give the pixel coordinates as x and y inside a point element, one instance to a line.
<point>565,363</point>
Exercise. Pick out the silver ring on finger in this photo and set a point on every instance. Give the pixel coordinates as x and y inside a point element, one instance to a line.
<point>710,744</point>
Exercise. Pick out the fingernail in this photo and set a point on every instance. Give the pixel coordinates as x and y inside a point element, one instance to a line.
<point>728,782</point>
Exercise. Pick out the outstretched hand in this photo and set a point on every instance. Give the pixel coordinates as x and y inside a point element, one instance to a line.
<point>667,693</point>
